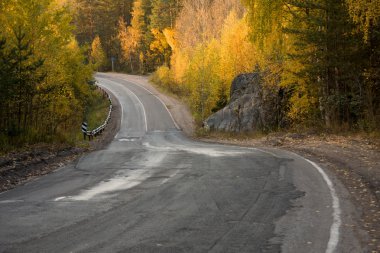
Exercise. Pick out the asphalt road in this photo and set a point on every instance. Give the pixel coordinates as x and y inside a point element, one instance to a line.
<point>154,190</point>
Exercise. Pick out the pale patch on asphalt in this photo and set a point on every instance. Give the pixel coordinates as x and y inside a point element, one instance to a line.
<point>129,139</point>
<point>123,180</point>
<point>213,152</point>
<point>112,185</point>
<point>59,198</point>
<point>11,201</point>
<point>170,177</point>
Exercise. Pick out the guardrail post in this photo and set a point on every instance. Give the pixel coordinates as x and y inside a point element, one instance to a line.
<point>101,128</point>
<point>84,129</point>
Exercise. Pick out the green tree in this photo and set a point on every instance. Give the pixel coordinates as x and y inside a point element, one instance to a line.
<point>163,16</point>
<point>325,50</point>
<point>100,17</point>
<point>325,67</point>
<point>164,13</point>
<point>366,15</point>
<point>43,75</point>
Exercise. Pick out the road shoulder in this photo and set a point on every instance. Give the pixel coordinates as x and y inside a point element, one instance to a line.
<point>353,163</point>
<point>17,168</point>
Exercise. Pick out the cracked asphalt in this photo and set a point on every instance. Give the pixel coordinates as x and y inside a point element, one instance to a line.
<point>154,190</point>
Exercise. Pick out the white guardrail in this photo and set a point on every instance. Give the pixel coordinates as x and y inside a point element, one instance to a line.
<point>101,128</point>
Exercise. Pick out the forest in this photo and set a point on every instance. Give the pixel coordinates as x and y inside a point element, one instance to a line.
<point>322,56</point>
<point>44,74</point>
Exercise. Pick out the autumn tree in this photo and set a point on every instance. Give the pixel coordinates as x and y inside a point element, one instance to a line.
<point>318,51</point>
<point>131,37</point>
<point>209,44</point>
<point>201,79</point>
<point>43,81</point>
<point>198,22</point>
<point>366,16</point>
<point>327,58</point>
<point>18,84</point>
<point>164,13</point>
<point>100,18</point>
<point>163,17</point>
<point>97,55</point>
<point>237,54</point>
<point>127,43</point>
<point>159,48</point>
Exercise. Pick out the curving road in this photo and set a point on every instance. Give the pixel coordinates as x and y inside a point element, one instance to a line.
<point>154,190</point>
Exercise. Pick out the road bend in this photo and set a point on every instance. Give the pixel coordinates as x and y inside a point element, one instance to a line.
<point>154,190</point>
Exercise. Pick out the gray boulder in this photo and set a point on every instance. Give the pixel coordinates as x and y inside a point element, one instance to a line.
<point>253,106</point>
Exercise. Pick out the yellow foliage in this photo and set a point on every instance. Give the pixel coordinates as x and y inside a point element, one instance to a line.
<point>179,64</point>
<point>201,79</point>
<point>162,76</point>
<point>57,88</point>
<point>98,56</point>
<point>205,72</point>
<point>159,44</point>
<point>159,47</point>
<point>366,13</point>
<point>131,37</point>
<point>137,22</point>
<point>302,105</point>
<point>127,37</point>
<point>238,54</point>
<point>169,36</point>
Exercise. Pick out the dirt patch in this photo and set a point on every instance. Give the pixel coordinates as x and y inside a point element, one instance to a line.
<point>34,161</point>
<point>355,160</point>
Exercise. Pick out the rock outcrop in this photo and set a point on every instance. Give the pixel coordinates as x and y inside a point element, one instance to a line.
<point>253,106</point>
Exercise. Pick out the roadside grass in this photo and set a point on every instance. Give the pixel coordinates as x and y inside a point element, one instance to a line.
<point>166,89</point>
<point>97,110</point>
<point>95,114</point>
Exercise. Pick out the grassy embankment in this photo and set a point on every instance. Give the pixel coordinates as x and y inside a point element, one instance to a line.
<point>95,114</point>
<point>97,110</point>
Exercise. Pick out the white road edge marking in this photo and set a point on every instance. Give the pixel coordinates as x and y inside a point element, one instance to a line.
<point>140,102</point>
<point>337,222</point>
<point>337,211</point>
<point>143,108</point>
<point>162,102</point>
<point>122,110</point>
